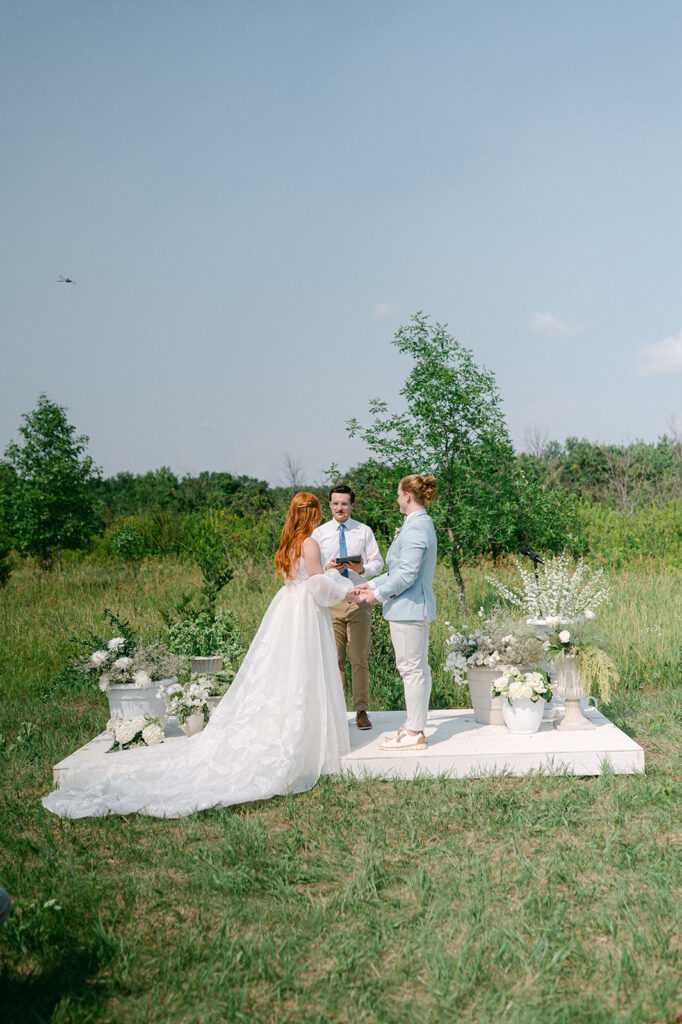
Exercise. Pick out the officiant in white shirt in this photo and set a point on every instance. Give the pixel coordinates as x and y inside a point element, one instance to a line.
<point>343,537</point>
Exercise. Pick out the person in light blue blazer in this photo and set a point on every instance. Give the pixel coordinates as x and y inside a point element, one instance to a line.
<point>409,604</point>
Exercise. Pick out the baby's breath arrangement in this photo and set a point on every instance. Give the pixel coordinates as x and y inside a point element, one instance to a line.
<point>560,592</point>
<point>499,641</point>
<point>144,665</point>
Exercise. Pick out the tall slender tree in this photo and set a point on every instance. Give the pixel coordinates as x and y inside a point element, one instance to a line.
<point>49,503</point>
<point>454,428</point>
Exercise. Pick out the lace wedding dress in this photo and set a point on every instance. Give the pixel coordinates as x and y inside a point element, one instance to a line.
<point>279,727</point>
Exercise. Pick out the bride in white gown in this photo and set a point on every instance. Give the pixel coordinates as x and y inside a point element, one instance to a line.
<point>279,727</point>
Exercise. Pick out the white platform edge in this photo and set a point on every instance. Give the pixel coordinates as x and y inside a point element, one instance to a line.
<point>458,748</point>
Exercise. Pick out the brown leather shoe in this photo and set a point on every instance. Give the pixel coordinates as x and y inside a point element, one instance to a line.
<point>362,721</point>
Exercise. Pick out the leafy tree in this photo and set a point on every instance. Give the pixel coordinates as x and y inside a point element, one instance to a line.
<point>49,503</point>
<point>129,546</point>
<point>454,428</point>
<point>210,552</point>
<point>7,480</point>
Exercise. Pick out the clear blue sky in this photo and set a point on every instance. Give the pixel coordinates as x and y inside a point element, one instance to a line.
<point>252,195</point>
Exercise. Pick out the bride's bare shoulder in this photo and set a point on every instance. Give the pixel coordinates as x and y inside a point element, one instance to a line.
<point>311,556</point>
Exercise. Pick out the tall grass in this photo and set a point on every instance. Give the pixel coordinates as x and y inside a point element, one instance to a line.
<point>499,899</point>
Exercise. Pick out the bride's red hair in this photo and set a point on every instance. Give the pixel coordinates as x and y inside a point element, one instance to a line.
<point>303,516</point>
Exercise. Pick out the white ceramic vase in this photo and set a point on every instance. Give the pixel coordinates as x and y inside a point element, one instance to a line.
<point>523,716</point>
<point>128,702</point>
<point>193,724</point>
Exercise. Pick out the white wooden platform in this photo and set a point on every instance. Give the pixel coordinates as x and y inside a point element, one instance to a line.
<point>459,748</point>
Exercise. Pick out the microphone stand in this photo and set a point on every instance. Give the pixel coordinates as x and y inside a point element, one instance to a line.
<point>535,558</point>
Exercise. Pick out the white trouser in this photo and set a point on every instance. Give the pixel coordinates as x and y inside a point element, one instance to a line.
<point>411,646</point>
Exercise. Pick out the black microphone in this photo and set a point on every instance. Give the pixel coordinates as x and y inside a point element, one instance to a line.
<point>525,550</point>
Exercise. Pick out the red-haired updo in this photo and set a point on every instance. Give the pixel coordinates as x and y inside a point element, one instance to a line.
<point>422,488</point>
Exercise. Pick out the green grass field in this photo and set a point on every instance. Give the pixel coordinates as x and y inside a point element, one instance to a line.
<point>518,900</point>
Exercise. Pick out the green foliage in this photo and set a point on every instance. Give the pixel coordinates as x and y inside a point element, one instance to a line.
<point>5,562</point>
<point>47,497</point>
<point>160,490</point>
<point>209,549</point>
<point>202,634</point>
<point>598,672</point>
<point>653,534</point>
<point>129,546</point>
<point>624,477</point>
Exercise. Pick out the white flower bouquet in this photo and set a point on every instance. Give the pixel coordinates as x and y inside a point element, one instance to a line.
<point>142,731</point>
<point>137,666</point>
<point>560,593</point>
<point>515,685</point>
<point>190,699</point>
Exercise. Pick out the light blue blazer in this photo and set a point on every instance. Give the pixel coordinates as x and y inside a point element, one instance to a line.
<point>406,590</point>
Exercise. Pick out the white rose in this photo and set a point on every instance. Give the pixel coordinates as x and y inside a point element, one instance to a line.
<point>117,643</point>
<point>141,678</point>
<point>564,636</point>
<point>123,663</point>
<point>98,658</point>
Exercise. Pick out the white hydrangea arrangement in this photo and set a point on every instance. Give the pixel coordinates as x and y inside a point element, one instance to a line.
<point>190,699</point>
<point>560,593</point>
<point>136,666</point>
<point>515,685</point>
<point>141,731</point>
<point>496,643</point>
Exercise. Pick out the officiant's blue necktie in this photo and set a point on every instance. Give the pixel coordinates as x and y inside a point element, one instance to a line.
<point>342,546</point>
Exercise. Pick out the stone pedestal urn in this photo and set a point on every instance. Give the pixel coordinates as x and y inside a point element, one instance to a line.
<point>126,701</point>
<point>570,688</point>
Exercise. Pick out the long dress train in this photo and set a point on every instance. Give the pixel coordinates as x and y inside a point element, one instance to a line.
<point>279,727</point>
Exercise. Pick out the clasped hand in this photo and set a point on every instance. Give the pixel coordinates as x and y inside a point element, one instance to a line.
<point>363,594</point>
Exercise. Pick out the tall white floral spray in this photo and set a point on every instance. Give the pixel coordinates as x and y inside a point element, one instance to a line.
<point>560,593</point>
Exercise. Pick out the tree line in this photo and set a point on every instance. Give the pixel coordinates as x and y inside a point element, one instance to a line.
<point>491,500</point>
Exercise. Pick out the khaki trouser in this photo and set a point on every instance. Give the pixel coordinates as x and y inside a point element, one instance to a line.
<point>352,629</point>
